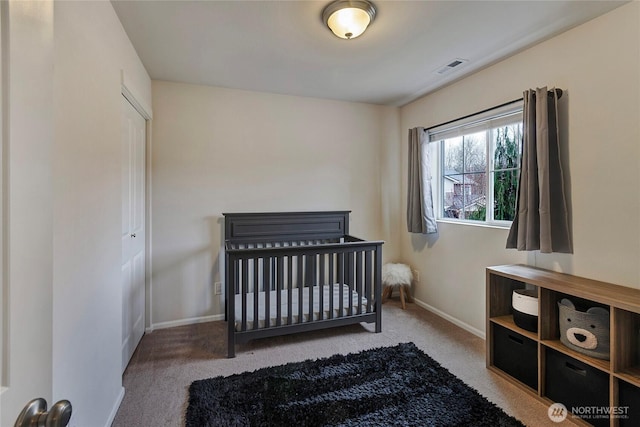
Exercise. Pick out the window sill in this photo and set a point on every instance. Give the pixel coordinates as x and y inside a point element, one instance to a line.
<point>475,224</point>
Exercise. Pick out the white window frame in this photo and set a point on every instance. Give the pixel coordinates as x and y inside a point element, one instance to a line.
<point>486,120</point>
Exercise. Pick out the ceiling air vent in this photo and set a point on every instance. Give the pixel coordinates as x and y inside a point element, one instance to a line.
<point>454,63</point>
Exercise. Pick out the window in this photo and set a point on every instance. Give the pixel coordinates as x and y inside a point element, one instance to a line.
<point>478,164</point>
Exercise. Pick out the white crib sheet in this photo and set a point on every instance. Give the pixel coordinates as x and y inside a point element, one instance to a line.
<point>334,290</point>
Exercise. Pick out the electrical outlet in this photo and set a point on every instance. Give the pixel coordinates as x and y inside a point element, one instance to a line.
<point>217,289</point>
<point>416,275</point>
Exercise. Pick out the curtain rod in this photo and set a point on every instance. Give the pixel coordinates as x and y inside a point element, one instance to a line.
<point>558,91</point>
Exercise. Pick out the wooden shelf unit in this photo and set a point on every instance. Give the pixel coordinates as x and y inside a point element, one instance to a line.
<point>622,302</point>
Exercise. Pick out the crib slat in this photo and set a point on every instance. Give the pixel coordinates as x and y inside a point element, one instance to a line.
<point>367,279</point>
<point>359,280</point>
<point>377,283</point>
<point>311,282</point>
<point>266,283</point>
<point>279,289</point>
<point>322,283</point>
<point>331,282</point>
<point>245,284</point>
<point>350,281</point>
<point>290,291</point>
<point>256,292</point>
<point>300,285</point>
<point>341,277</point>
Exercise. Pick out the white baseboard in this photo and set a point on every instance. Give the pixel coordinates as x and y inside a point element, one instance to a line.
<point>217,317</point>
<point>114,411</point>
<point>457,322</point>
<point>183,322</point>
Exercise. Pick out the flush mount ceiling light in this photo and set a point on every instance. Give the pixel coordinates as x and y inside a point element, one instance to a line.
<point>348,18</point>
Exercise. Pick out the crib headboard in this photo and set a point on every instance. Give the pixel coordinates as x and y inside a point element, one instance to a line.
<point>278,226</point>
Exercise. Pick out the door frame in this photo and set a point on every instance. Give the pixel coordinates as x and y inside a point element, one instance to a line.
<point>24,373</point>
<point>3,195</point>
<point>148,117</point>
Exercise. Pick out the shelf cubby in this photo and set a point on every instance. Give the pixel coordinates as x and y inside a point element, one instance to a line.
<point>626,363</point>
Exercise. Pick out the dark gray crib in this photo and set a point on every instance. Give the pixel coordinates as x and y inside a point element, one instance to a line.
<point>289,272</point>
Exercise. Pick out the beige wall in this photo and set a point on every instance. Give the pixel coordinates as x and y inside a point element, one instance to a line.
<point>219,150</point>
<point>91,52</point>
<point>598,65</point>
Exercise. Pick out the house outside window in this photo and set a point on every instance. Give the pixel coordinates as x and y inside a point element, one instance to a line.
<point>478,164</point>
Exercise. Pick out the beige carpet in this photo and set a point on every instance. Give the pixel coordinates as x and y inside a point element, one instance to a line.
<point>168,360</point>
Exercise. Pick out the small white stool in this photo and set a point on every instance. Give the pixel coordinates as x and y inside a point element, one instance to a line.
<point>397,275</point>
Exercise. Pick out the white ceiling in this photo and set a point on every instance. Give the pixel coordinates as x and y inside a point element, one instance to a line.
<point>283,46</point>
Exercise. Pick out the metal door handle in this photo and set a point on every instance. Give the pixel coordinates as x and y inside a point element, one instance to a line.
<point>133,234</point>
<point>35,414</point>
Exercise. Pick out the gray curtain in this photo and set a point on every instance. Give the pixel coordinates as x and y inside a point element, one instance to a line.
<point>420,213</point>
<point>541,221</point>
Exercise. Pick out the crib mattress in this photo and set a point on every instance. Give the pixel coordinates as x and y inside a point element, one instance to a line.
<point>329,291</point>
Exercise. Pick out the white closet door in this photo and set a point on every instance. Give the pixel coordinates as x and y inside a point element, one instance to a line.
<point>133,229</point>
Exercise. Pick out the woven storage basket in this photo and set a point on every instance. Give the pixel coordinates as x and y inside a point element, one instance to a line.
<point>586,332</point>
<point>525,309</point>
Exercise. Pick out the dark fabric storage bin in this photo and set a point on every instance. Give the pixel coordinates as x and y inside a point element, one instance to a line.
<point>516,355</point>
<point>629,397</point>
<point>576,384</point>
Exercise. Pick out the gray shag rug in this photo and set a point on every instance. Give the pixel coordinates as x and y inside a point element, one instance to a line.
<point>389,386</point>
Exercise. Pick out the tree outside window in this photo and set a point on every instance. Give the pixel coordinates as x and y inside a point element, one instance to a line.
<point>508,146</point>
